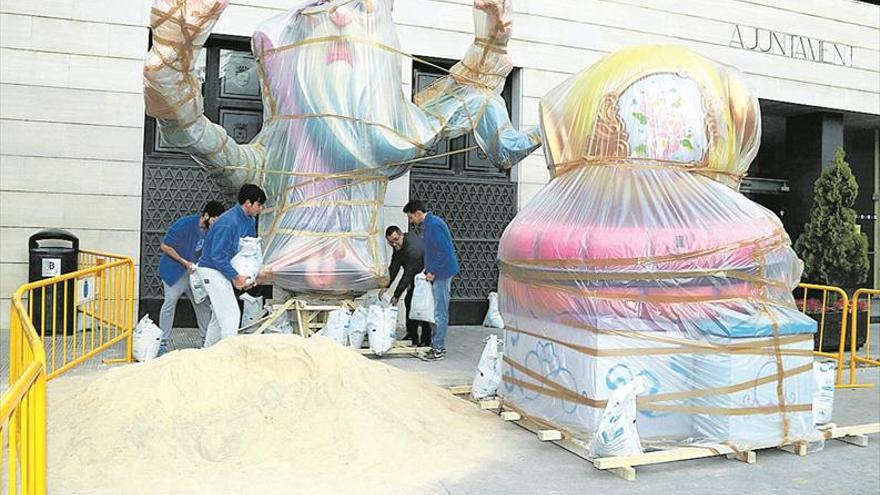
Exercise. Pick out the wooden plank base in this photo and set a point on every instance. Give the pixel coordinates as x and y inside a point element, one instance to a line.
<point>625,473</point>
<point>797,448</point>
<point>510,416</point>
<point>398,350</point>
<point>748,457</point>
<point>460,389</point>
<point>624,466</point>
<point>857,440</point>
<point>548,435</point>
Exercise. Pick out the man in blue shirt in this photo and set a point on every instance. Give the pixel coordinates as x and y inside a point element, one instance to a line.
<point>440,266</point>
<point>215,267</point>
<point>181,247</point>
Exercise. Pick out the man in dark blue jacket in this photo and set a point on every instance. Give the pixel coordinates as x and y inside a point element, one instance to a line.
<point>181,248</point>
<point>215,266</point>
<point>441,265</point>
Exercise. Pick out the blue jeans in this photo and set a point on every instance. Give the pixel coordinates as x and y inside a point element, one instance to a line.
<point>441,289</point>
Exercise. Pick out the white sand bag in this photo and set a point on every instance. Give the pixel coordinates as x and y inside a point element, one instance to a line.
<point>493,316</point>
<point>145,340</point>
<point>336,328</point>
<point>249,258</point>
<point>369,298</point>
<point>488,375</point>
<point>381,326</point>
<point>823,393</point>
<point>281,324</point>
<point>422,305</point>
<point>197,286</point>
<point>391,314</point>
<point>385,300</point>
<point>617,434</point>
<point>357,327</point>
<point>252,309</point>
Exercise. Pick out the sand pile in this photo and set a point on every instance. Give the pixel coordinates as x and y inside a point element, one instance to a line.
<point>260,415</point>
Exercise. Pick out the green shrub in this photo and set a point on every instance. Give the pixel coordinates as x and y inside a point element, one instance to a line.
<point>834,251</point>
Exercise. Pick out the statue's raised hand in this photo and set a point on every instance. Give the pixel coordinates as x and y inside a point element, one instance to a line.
<point>180,28</point>
<point>173,91</point>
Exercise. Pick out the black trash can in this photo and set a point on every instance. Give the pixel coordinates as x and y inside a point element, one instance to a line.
<point>53,252</point>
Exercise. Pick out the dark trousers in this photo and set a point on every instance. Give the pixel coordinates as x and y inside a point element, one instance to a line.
<point>412,326</point>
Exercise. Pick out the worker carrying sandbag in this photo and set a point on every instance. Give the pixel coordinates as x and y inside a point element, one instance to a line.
<point>215,266</point>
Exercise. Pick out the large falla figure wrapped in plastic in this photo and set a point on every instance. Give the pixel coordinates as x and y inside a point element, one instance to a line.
<point>336,127</point>
<point>640,259</point>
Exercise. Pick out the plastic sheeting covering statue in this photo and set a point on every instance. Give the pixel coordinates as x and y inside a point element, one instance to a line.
<point>640,258</point>
<point>336,127</point>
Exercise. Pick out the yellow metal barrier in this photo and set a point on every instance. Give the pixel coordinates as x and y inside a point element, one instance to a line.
<point>96,305</point>
<point>843,301</point>
<point>854,358</point>
<point>23,406</point>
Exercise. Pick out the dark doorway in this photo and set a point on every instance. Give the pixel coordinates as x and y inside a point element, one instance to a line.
<point>174,185</point>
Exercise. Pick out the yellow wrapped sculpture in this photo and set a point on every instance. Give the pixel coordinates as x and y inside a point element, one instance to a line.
<point>640,259</point>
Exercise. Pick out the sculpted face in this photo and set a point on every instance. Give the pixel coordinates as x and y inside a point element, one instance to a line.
<point>341,63</point>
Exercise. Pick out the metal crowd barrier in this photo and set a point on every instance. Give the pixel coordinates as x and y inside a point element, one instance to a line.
<point>854,358</point>
<point>841,327</point>
<point>96,306</point>
<point>23,407</point>
<point>102,313</point>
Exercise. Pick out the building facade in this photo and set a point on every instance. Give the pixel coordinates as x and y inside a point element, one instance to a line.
<point>78,153</point>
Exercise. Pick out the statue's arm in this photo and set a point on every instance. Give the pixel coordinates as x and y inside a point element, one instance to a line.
<point>172,91</point>
<point>468,98</point>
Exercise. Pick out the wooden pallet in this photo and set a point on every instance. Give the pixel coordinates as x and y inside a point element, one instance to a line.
<point>259,326</point>
<point>624,466</point>
<point>311,316</point>
<point>399,349</point>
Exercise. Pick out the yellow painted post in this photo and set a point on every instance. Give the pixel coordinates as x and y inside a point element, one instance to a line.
<point>822,324</point>
<point>842,347</point>
<point>43,314</point>
<point>29,440</point>
<point>55,316</point>
<point>40,437</point>
<point>854,359</point>
<point>93,305</point>
<point>64,331</point>
<point>118,303</point>
<point>130,306</point>
<point>868,337</point>
<point>853,339</point>
<point>14,352</point>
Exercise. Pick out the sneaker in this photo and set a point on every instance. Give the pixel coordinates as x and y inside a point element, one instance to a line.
<point>435,355</point>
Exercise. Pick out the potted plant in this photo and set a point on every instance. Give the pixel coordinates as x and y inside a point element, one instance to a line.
<point>830,336</point>
<point>834,250</point>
